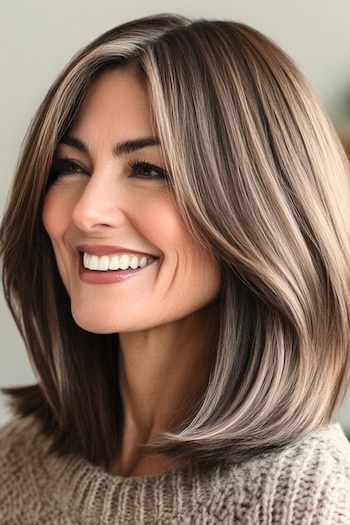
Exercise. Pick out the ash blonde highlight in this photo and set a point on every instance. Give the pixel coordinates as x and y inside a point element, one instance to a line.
<point>263,184</point>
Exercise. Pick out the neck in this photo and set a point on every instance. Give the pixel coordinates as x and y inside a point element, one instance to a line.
<point>163,372</point>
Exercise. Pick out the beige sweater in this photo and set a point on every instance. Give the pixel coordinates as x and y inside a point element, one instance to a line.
<point>304,484</point>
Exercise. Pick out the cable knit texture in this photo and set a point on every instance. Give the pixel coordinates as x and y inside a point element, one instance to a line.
<point>307,483</point>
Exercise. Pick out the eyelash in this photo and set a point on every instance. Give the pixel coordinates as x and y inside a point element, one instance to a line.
<point>134,164</point>
<point>61,166</point>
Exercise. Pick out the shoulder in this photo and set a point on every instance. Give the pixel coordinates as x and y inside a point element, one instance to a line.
<point>14,441</point>
<point>19,437</point>
<point>22,476</point>
<point>312,479</point>
<point>306,482</point>
<point>19,449</point>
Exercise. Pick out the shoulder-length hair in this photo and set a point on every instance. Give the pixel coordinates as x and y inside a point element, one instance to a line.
<point>262,182</point>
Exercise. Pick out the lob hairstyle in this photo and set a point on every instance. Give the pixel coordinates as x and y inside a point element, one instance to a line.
<point>262,181</point>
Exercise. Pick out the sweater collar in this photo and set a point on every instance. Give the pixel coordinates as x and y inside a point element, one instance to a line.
<point>88,494</point>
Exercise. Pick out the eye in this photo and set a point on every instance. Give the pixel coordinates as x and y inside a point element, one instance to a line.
<point>61,167</point>
<point>144,170</point>
<point>140,169</point>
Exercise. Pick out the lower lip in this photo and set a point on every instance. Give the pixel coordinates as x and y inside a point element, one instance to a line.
<point>107,277</point>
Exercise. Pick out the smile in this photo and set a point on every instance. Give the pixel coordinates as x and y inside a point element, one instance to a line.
<point>109,276</point>
<point>115,262</point>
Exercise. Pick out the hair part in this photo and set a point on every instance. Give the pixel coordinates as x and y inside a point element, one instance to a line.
<point>262,182</point>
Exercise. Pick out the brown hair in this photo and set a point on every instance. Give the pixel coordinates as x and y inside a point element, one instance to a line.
<point>262,181</point>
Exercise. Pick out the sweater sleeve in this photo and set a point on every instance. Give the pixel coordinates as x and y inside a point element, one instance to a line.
<point>310,483</point>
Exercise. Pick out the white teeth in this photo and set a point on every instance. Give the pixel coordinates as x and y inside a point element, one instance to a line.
<point>93,262</point>
<point>86,258</point>
<point>134,262</point>
<point>114,262</point>
<point>124,262</point>
<point>143,262</point>
<point>103,263</point>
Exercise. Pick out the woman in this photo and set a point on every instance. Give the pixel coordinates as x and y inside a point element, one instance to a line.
<point>175,254</point>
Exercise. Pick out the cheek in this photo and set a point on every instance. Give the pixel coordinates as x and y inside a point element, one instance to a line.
<point>165,226</point>
<point>49,216</point>
<point>53,217</point>
<point>167,230</point>
<point>56,213</point>
<point>205,284</point>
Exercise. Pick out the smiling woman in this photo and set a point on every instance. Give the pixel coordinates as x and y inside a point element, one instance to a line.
<point>186,309</point>
<point>109,197</point>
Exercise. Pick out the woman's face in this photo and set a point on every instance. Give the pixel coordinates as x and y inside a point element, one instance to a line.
<point>99,199</point>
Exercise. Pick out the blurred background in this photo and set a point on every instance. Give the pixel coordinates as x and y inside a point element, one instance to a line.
<point>38,38</point>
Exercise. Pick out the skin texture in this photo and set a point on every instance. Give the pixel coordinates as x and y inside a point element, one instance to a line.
<point>166,315</point>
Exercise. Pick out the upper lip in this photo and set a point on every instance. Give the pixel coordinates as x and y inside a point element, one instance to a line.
<point>104,249</point>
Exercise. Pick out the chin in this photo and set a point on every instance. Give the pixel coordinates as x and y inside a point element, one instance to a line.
<point>93,323</point>
<point>99,323</point>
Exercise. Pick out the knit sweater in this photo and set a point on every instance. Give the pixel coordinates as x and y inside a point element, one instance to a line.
<point>304,483</point>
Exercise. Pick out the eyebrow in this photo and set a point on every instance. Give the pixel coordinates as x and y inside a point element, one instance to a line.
<point>122,148</point>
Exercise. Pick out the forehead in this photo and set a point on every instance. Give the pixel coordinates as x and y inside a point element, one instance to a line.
<point>116,100</point>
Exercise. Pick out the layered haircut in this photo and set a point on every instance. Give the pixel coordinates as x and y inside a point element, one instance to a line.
<point>262,182</point>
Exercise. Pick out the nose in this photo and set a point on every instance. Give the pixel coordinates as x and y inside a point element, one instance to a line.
<point>99,205</point>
